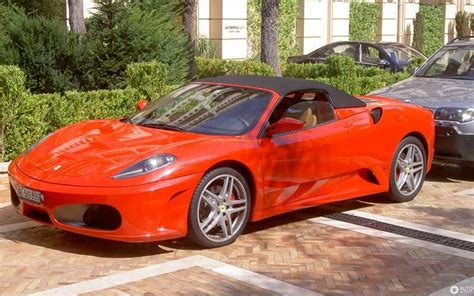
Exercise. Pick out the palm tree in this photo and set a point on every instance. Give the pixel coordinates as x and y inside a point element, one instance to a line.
<point>76,16</point>
<point>269,40</point>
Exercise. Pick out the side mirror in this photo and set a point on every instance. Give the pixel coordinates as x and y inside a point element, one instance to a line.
<point>285,124</point>
<point>142,104</point>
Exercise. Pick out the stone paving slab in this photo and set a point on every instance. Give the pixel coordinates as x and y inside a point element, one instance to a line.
<point>8,215</point>
<point>313,256</point>
<point>437,204</point>
<point>316,257</point>
<point>191,281</point>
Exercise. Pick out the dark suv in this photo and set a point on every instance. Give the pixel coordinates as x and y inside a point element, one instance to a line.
<point>389,55</point>
<point>445,83</point>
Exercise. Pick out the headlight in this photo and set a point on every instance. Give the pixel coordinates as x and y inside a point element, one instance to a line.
<point>36,144</point>
<point>454,114</point>
<point>147,165</point>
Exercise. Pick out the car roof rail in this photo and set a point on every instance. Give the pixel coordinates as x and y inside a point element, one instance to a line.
<point>463,38</point>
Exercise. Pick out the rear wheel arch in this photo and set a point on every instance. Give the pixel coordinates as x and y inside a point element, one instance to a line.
<point>422,139</point>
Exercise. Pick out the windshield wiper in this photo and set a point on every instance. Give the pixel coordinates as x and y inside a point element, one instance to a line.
<point>162,125</point>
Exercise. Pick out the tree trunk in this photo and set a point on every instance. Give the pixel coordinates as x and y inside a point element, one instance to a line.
<point>269,40</point>
<point>76,16</point>
<point>190,30</point>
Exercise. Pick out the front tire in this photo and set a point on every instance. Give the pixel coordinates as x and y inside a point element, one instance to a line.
<point>219,208</point>
<point>408,170</point>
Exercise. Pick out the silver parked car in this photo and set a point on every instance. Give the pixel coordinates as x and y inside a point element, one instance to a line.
<point>445,84</point>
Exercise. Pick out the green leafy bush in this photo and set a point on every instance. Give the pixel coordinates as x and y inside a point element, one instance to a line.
<point>343,73</point>
<point>120,33</point>
<point>44,49</point>
<point>43,113</point>
<point>217,67</point>
<point>148,78</point>
<point>304,70</point>
<point>50,9</point>
<point>206,48</point>
<point>429,28</point>
<point>12,90</point>
<point>27,117</point>
<point>363,19</point>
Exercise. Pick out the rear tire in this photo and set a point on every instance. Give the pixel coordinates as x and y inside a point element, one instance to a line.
<point>219,208</point>
<point>408,170</point>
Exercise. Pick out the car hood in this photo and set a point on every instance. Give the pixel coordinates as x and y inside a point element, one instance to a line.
<point>432,92</point>
<point>92,151</point>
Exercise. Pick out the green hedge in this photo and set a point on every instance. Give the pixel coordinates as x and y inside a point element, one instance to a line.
<point>363,19</point>
<point>344,74</point>
<point>26,117</point>
<point>339,71</point>
<point>429,28</point>
<point>217,67</point>
<point>150,79</point>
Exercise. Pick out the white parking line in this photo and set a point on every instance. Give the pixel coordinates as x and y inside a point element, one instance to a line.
<point>222,268</point>
<point>466,193</point>
<point>411,225</point>
<point>18,226</point>
<point>465,287</point>
<point>393,237</point>
<point>4,204</point>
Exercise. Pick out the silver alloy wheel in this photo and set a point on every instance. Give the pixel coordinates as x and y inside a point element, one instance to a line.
<point>410,169</point>
<point>222,208</point>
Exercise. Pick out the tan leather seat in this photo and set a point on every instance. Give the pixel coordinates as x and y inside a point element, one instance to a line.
<point>309,118</point>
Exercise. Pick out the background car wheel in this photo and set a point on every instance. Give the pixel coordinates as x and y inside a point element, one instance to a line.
<point>219,208</point>
<point>408,170</point>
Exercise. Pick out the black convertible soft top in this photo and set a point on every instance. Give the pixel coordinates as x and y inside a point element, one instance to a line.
<point>286,85</point>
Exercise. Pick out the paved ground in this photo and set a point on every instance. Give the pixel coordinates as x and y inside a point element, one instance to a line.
<point>298,253</point>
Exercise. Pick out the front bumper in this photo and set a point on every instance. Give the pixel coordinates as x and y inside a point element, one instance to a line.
<point>150,212</point>
<point>452,145</point>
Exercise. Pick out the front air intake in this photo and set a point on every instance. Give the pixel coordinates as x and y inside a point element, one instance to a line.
<point>376,114</point>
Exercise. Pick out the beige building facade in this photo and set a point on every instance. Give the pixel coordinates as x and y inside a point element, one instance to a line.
<point>319,22</point>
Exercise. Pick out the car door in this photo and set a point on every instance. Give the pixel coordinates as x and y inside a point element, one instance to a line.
<point>344,49</point>
<point>317,56</point>
<point>371,56</point>
<point>305,163</point>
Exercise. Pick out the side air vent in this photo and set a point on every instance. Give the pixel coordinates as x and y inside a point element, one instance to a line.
<point>376,114</point>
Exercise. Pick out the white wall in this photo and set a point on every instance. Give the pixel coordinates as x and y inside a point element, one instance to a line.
<point>388,24</point>
<point>340,21</point>
<point>311,25</point>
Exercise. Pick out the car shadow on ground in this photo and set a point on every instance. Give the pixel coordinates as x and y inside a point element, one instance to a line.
<point>450,173</point>
<point>52,238</point>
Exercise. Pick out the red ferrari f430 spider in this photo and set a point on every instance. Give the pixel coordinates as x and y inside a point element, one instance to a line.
<point>210,156</point>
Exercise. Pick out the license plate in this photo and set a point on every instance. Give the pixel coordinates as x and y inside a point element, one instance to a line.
<point>29,194</point>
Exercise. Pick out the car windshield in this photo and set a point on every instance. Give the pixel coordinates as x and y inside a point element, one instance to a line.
<point>451,63</point>
<point>400,53</point>
<point>206,109</point>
